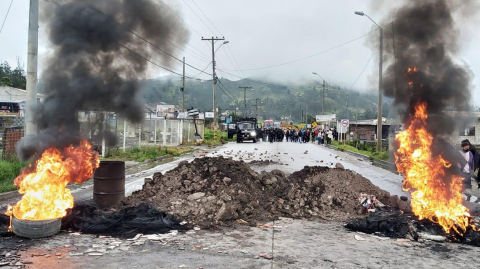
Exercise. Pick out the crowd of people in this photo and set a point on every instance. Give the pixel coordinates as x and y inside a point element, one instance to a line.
<point>302,135</point>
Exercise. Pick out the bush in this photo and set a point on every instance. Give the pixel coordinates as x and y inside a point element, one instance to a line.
<point>140,154</point>
<point>9,170</point>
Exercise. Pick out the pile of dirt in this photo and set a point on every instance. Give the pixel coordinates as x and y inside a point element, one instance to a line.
<point>262,162</point>
<point>214,191</point>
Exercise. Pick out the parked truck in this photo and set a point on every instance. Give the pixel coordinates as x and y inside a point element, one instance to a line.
<point>246,129</point>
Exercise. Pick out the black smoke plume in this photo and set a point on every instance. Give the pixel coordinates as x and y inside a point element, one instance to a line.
<point>424,35</point>
<point>96,62</point>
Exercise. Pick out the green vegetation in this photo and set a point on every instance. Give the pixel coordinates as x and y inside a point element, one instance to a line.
<point>143,153</point>
<point>13,77</point>
<point>209,137</point>
<point>365,149</point>
<point>9,170</point>
<point>278,100</point>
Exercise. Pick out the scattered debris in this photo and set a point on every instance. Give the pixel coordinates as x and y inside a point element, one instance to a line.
<point>359,238</point>
<point>127,222</point>
<point>215,191</point>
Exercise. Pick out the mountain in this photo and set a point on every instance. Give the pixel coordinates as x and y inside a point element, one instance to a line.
<point>275,101</point>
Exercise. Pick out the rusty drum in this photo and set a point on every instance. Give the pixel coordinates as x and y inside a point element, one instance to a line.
<point>109,184</point>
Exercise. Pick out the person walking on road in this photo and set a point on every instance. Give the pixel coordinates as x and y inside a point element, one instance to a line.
<point>476,160</point>
<point>466,166</point>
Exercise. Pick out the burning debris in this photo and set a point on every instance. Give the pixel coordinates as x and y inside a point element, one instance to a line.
<point>429,82</point>
<point>394,223</point>
<point>216,191</point>
<point>44,183</point>
<point>99,54</point>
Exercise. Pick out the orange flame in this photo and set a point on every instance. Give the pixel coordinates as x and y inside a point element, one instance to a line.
<point>44,184</point>
<point>435,195</point>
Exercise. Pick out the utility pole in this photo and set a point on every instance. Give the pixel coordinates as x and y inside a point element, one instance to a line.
<point>214,81</point>
<point>323,99</point>
<point>256,107</point>
<point>30,127</point>
<point>380,92</point>
<point>380,95</point>
<point>245,99</point>
<point>183,87</point>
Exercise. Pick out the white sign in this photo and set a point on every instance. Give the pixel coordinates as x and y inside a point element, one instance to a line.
<point>342,126</point>
<point>201,116</point>
<point>163,110</point>
<point>326,118</point>
<point>182,115</point>
<point>309,126</point>
<point>209,115</point>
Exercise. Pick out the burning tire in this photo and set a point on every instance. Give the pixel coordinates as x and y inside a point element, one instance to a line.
<point>36,228</point>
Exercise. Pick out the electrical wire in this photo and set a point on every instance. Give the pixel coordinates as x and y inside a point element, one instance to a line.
<point>198,16</point>
<point>310,56</point>
<point>153,45</point>
<point>203,70</point>
<point>154,63</point>
<point>6,16</point>
<point>222,89</point>
<point>235,59</point>
<point>207,18</point>
<point>371,56</point>
<point>227,90</point>
<point>252,80</point>
<point>180,18</point>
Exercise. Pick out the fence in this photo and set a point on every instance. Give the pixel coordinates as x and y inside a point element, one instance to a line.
<point>152,131</point>
<point>159,131</point>
<point>11,130</point>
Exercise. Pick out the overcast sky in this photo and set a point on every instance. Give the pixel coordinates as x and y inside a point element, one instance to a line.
<point>265,33</point>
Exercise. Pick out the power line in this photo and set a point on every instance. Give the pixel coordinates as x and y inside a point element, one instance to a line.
<point>150,61</point>
<point>227,89</point>
<point>310,56</point>
<point>252,80</point>
<point>153,45</point>
<point>235,59</point>
<point>198,16</point>
<point>8,11</point>
<point>207,18</point>
<point>180,18</point>
<point>371,56</point>
<point>223,88</point>
<point>203,71</point>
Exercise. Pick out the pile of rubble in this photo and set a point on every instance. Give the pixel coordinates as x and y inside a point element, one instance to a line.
<point>216,191</point>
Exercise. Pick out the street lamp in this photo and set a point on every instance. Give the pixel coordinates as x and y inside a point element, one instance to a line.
<point>379,113</point>
<point>224,42</point>
<point>323,95</point>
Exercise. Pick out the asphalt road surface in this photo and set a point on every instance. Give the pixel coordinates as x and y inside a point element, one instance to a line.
<point>297,243</point>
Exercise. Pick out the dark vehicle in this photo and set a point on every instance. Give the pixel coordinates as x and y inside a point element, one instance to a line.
<point>245,129</point>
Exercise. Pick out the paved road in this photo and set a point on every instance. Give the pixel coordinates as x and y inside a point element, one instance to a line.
<point>294,160</point>
<point>297,159</point>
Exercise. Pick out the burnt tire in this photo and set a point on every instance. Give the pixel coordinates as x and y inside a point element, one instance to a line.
<point>254,140</point>
<point>36,228</point>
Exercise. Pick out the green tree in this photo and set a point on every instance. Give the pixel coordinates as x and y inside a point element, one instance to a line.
<point>6,81</point>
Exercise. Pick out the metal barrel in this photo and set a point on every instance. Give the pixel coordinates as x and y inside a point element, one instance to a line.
<point>109,184</point>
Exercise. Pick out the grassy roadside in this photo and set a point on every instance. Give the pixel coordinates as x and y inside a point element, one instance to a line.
<point>143,153</point>
<point>9,170</point>
<point>372,153</point>
<point>221,139</point>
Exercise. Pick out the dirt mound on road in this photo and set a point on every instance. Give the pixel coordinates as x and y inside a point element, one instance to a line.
<point>214,191</point>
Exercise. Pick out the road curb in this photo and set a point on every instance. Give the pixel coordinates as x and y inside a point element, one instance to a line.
<point>9,195</point>
<point>382,164</point>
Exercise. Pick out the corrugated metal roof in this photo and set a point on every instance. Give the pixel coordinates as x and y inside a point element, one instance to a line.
<point>14,94</point>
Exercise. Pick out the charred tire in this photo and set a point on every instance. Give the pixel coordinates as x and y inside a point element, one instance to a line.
<point>36,228</point>
<point>254,140</point>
